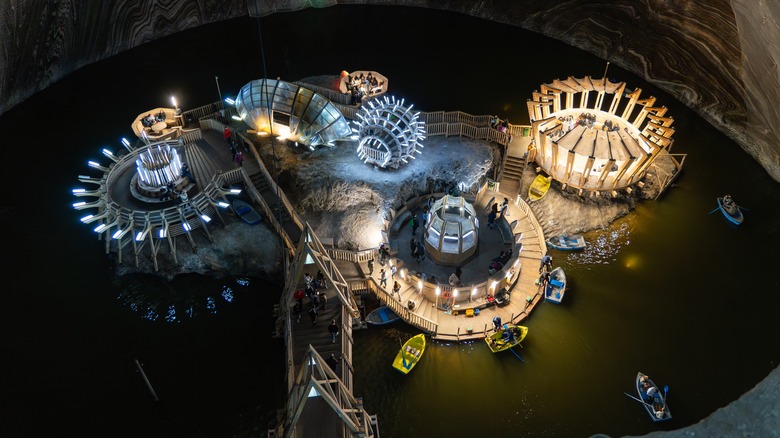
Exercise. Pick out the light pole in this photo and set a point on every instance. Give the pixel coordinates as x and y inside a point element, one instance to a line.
<point>216,78</point>
<point>270,120</point>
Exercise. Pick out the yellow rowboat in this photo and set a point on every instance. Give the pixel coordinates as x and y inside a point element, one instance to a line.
<point>506,338</point>
<point>410,354</point>
<point>539,187</point>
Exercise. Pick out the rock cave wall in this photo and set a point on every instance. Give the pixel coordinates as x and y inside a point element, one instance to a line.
<point>718,57</point>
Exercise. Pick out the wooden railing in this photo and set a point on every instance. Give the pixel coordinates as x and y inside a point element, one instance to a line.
<point>334,96</point>
<point>534,223</point>
<point>210,123</point>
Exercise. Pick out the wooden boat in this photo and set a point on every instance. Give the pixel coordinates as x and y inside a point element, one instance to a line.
<point>539,187</point>
<point>556,287</point>
<point>655,406</point>
<point>567,242</point>
<point>410,353</point>
<point>246,212</point>
<point>382,315</point>
<point>498,341</point>
<point>731,211</point>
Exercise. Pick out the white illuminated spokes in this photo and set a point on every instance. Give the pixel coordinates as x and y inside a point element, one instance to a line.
<point>389,133</point>
<point>158,166</point>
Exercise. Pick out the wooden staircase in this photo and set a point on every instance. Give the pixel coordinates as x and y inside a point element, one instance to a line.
<point>512,175</point>
<point>267,192</point>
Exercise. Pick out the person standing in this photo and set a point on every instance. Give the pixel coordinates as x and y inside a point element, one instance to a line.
<point>497,323</point>
<point>320,279</point>
<point>332,362</point>
<point>505,208</point>
<point>307,279</point>
<point>240,158</point>
<point>415,223</point>
<point>546,262</point>
<point>370,266</point>
<point>228,134</point>
<point>313,314</point>
<point>297,310</point>
<point>185,172</point>
<point>412,245</point>
<point>333,328</point>
<point>421,251</point>
<point>397,289</point>
<point>458,273</point>
<point>233,149</point>
<point>323,299</point>
<point>382,277</point>
<point>491,219</point>
<point>382,254</point>
<point>393,270</point>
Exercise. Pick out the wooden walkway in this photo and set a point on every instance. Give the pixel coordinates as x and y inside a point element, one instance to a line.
<point>310,343</point>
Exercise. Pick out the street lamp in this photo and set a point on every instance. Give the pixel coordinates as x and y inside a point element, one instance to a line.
<point>216,78</point>
<point>175,106</point>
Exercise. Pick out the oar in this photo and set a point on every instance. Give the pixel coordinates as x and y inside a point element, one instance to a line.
<point>713,211</point>
<point>640,401</point>
<point>518,356</point>
<point>743,208</point>
<point>666,389</point>
<point>403,356</point>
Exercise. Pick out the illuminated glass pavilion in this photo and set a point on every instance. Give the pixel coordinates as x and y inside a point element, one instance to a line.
<point>289,110</point>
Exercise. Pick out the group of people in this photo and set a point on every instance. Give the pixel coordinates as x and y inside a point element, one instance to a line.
<point>169,191</point>
<point>498,124</point>
<point>317,299</point>
<point>498,262</point>
<point>235,151</point>
<point>361,86</point>
<point>150,119</point>
<point>653,396</point>
<point>384,254</point>
<point>545,266</point>
<point>497,211</point>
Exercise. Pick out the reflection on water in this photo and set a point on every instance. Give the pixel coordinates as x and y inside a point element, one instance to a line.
<point>187,296</point>
<point>601,247</point>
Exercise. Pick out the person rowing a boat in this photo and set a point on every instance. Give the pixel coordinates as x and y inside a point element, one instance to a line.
<point>651,392</point>
<point>729,204</point>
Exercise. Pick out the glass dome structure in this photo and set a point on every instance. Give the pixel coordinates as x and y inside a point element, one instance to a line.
<point>286,109</point>
<point>451,234</point>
